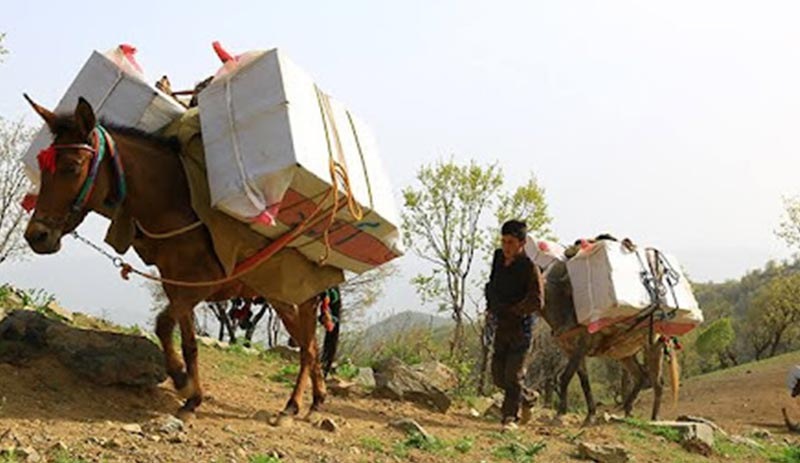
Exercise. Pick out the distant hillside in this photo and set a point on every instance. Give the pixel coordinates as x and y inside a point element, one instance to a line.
<point>401,323</point>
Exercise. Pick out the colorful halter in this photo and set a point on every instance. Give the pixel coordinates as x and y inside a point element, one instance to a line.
<point>102,143</point>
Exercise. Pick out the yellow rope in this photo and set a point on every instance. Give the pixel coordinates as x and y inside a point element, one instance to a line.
<point>170,234</point>
<point>338,171</point>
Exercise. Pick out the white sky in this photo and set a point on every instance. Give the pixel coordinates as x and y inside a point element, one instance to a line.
<point>674,123</point>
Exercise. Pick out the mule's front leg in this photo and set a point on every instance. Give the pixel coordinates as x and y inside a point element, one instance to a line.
<point>193,392</point>
<point>165,326</point>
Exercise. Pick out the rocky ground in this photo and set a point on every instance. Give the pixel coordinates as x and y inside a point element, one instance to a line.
<point>48,412</point>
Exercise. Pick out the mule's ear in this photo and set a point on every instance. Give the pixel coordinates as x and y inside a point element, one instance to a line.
<point>48,116</point>
<point>84,117</point>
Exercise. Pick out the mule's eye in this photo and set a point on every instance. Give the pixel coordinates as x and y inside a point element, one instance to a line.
<point>71,169</point>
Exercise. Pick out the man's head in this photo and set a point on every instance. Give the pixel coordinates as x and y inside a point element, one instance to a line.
<point>514,233</point>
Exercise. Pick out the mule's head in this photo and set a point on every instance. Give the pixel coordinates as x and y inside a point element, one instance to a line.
<point>64,170</point>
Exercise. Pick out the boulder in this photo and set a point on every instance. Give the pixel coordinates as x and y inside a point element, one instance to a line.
<point>397,381</point>
<point>365,378</point>
<point>695,437</point>
<point>438,374</point>
<point>101,357</point>
<point>603,453</point>
<point>409,426</point>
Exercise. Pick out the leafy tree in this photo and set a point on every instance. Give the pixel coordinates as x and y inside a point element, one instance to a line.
<point>445,223</point>
<point>442,225</point>
<point>772,318</point>
<point>716,340</point>
<point>14,138</point>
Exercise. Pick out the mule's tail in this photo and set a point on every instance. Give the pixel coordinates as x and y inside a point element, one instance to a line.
<point>674,376</point>
<point>331,341</point>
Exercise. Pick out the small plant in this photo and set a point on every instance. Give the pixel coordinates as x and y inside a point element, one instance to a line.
<point>265,459</point>
<point>286,374</point>
<point>518,452</point>
<point>64,457</point>
<point>373,444</point>
<point>464,445</point>
<point>670,434</point>
<point>347,370</point>
<point>790,454</point>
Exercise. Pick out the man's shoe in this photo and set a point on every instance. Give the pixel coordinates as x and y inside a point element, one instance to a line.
<point>510,426</point>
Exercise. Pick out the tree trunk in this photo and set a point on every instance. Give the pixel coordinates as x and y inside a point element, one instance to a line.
<point>776,342</point>
<point>248,334</point>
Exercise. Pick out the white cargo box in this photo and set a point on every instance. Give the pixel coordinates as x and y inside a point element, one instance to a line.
<point>117,94</point>
<point>270,135</point>
<point>543,252</point>
<point>608,286</point>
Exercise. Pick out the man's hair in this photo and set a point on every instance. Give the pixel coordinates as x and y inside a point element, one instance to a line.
<point>515,228</point>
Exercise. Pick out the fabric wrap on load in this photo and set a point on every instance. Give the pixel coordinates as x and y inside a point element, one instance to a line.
<point>287,276</point>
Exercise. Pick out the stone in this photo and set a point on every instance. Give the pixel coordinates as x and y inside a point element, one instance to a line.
<point>101,357</point>
<point>603,453</point>
<point>59,447</point>
<point>365,378</point>
<point>695,437</point>
<point>170,425</point>
<point>56,310</point>
<point>761,434</point>
<point>410,426</point>
<point>339,387</point>
<point>132,428</point>
<point>396,381</point>
<point>700,419</point>
<point>438,374</point>
<point>474,413</point>
<point>113,444</point>
<point>329,425</point>
<point>746,441</point>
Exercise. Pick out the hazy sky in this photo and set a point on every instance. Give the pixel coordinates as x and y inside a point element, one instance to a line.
<point>674,123</point>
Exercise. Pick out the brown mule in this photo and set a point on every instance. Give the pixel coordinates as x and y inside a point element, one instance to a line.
<point>159,199</point>
<point>578,344</point>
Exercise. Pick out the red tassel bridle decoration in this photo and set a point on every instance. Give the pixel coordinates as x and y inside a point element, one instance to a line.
<point>47,159</point>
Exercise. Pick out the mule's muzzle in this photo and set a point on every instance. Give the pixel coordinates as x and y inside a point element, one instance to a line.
<point>43,239</point>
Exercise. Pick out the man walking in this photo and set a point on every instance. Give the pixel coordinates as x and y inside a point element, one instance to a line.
<point>515,292</point>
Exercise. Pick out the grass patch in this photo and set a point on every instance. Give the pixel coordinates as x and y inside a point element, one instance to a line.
<point>264,459</point>
<point>789,454</point>
<point>464,445</point>
<point>372,444</point>
<point>64,457</point>
<point>670,434</point>
<point>347,371</point>
<point>286,375</point>
<point>517,451</point>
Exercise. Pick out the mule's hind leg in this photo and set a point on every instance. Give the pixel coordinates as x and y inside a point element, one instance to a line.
<point>193,391</point>
<point>165,326</point>
<point>635,373</point>
<point>308,321</point>
<point>566,378</point>
<point>290,316</point>
<point>587,393</point>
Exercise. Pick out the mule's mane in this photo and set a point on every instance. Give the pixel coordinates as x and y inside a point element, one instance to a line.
<point>66,123</point>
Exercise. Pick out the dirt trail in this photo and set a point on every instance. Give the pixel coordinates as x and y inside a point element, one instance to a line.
<point>42,405</point>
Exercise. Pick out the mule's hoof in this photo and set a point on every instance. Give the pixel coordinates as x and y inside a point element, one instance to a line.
<point>188,389</point>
